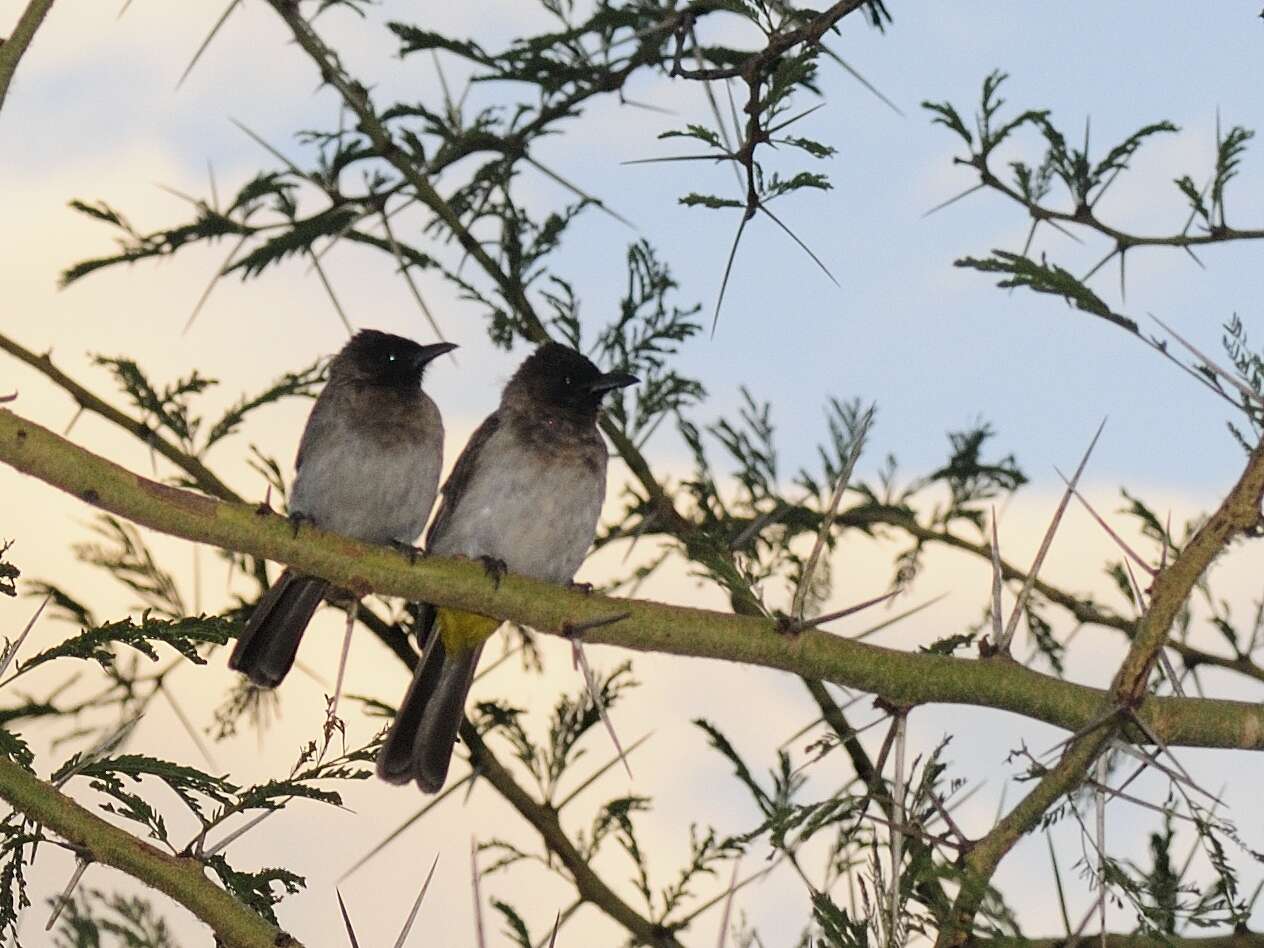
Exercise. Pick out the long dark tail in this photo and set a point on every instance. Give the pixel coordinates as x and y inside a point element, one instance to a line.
<point>419,743</point>
<point>266,649</point>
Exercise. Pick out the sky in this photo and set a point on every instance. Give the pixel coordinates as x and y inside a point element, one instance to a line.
<point>94,114</point>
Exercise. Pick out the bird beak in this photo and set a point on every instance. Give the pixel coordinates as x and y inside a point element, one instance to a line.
<point>427,354</point>
<point>610,381</point>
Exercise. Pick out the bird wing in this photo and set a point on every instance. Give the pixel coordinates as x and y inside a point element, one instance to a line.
<point>319,423</point>
<point>461,474</point>
<point>451,493</point>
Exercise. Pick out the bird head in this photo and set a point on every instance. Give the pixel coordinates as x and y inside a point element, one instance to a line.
<point>380,358</point>
<point>557,378</point>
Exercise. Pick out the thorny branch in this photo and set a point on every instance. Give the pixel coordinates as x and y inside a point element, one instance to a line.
<point>1239,513</point>
<point>900,677</point>
<point>183,880</point>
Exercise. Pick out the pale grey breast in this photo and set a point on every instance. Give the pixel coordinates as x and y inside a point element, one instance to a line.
<point>526,503</point>
<point>369,463</point>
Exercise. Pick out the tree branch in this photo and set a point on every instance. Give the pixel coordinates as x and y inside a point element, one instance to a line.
<point>780,44</point>
<point>1239,513</point>
<point>182,879</point>
<point>900,677</point>
<point>588,884</point>
<point>199,472</point>
<point>12,49</point>
<point>1082,609</point>
<point>928,888</point>
<point>356,96</point>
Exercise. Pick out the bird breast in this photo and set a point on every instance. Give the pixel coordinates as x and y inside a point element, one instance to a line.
<point>369,466</point>
<point>532,504</point>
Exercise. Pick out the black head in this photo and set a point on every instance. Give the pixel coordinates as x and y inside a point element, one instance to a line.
<point>380,358</point>
<point>557,377</point>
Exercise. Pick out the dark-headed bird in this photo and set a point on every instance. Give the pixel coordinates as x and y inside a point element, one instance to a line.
<point>525,495</point>
<point>368,467</point>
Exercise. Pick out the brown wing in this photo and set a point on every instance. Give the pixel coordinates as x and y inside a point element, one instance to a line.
<point>319,423</point>
<point>462,471</point>
<point>451,492</point>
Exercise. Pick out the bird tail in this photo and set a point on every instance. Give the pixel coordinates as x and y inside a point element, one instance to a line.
<point>266,648</point>
<point>419,744</point>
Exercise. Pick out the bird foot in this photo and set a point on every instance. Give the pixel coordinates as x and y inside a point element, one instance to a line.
<point>585,588</point>
<point>297,520</point>
<point>414,553</point>
<point>494,568</point>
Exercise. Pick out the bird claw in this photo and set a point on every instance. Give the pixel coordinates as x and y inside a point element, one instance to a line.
<point>585,588</point>
<point>413,553</point>
<point>297,520</point>
<point>494,568</point>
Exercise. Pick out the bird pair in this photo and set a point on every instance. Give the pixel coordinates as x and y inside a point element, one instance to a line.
<point>525,493</point>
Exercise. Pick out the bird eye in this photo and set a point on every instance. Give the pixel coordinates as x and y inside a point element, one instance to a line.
<point>566,381</point>
<point>391,357</point>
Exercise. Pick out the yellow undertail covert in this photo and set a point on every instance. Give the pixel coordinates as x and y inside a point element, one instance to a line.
<point>462,631</point>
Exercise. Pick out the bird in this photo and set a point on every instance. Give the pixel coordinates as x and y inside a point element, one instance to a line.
<point>524,496</point>
<point>368,467</point>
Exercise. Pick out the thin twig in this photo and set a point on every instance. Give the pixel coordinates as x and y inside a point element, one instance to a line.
<point>233,5</point>
<point>61,901</point>
<point>1012,625</point>
<point>728,269</point>
<point>346,919</point>
<point>831,512</point>
<point>187,724</point>
<point>395,834</point>
<point>1136,557</point>
<point>998,580</point>
<point>342,670</point>
<point>11,652</point>
<point>728,904</point>
<point>600,771</point>
<point>215,278</point>
<point>1103,774</point>
<point>897,832</point>
<point>580,661</point>
<point>843,613</point>
<point>333,298</point>
<point>480,938</point>
<point>1245,390</point>
<point>412,915</point>
<point>408,279</point>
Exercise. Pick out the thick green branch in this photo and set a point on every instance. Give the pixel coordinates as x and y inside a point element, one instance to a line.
<point>184,880</point>
<point>900,677</point>
<point>12,49</point>
<point>1239,513</point>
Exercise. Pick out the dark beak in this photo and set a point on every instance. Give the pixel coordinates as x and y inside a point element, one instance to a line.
<point>427,354</point>
<point>610,381</point>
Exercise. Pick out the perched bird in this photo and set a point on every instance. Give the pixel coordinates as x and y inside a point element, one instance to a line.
<point>525,495</point>
<point>368,467</point>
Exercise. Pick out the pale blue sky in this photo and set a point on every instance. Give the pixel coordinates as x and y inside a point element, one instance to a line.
<point>934,346</point>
